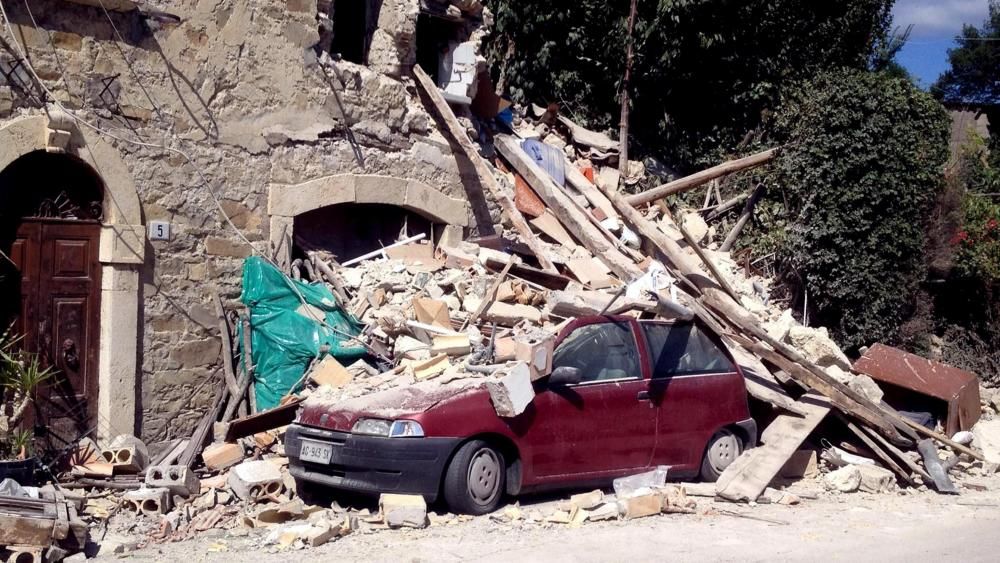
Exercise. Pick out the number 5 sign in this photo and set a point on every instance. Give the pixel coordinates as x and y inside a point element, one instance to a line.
<point>159,230</point>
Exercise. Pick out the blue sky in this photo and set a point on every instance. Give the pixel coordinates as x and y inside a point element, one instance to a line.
<point>935,24</point>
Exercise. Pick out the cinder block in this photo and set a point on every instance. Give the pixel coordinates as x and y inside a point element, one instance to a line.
<point>21,554</point>
<point>179,479</point>
<point>512,393</point>
<point>537,354</point>
<point>126,453</point>
<point>256,480</point>
<point>147,501</point>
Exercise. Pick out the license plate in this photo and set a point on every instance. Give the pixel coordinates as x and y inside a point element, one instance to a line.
<point>316,452</point>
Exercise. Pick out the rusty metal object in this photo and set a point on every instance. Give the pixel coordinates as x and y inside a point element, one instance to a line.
<point>956,391</point>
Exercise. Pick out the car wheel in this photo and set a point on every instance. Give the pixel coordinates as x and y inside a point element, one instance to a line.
<point>722,450</point>
<point>475,479</point>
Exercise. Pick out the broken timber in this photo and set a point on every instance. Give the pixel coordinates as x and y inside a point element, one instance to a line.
<point>734,234</point>
<point>442,108</point>
<point>695,180</point>
<point>571,217</point>
<point>747,477</point>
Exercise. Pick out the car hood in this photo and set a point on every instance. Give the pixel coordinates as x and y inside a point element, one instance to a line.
<point>327,409</point>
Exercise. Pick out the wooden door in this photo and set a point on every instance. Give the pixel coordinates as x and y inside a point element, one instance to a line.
<point>60,321</point>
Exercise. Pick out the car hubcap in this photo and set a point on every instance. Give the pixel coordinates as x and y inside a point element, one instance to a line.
<point>725,449</point>
<point>484,476</point>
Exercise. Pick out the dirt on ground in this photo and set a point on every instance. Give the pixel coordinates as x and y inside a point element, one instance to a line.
<point>899,526</point>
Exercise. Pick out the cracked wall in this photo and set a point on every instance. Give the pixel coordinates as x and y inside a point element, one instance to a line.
<point>239,88</point>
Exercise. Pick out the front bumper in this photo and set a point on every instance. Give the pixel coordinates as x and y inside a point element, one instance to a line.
<point>370,464</point>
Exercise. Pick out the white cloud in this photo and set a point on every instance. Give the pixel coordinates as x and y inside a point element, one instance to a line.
<point>939,18</point>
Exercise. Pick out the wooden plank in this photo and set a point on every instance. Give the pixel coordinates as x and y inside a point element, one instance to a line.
<point>761,384</point>
<point>549,225</point>
<point>203,430</point>
<point>441,107</point>
<point>907,461</point>
<point>491,295</point>
<point>225,333</point>
<point>719,278</point>
<point>734,234</point>
<point>877,450</point>
<point>268,420</point>
<point>589,190</point>
<point>752,472</point>
<point>572,218</point>
<point>705,176</point>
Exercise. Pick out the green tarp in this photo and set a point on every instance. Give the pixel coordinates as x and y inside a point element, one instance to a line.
<point>286,335</point>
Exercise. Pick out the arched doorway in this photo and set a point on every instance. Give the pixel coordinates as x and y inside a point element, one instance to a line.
<point>51,209</point>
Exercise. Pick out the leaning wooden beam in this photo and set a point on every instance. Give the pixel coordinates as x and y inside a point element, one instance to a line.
<point>203,430</point>
<point>225,333</point>
<point>589,190</point>
<point>695,180</point>
<point>747,477</point>
<point>442,108</point>
<point>877,450</point>
<point>559,203</point>
<point>719,278</point>
<point>734,234</point>
<point>720,210</point>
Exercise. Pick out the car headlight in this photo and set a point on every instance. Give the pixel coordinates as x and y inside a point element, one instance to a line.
<point>388,428</point>
<point>406,429</point>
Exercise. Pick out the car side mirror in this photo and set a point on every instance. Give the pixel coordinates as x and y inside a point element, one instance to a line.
<point>564,375</point>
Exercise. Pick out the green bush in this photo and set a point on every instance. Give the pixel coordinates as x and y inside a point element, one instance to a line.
<point>861,168</point>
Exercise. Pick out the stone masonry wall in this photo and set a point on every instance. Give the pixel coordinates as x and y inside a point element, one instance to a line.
<point>238,87</point>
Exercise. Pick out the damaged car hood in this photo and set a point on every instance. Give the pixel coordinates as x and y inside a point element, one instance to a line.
<point>329,409</point>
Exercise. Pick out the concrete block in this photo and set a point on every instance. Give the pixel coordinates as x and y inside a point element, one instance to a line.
<point>451,344</point>
<point>803,463</point>
<point>179,479</point>
<point>222,455</point>
<point>400,511</point>
<point>507,314</point>
<point>147,501</point>
<point>876,479</point>
<point>126,453</point>
<point>537,354</point>
<point>513,392</point>
<point>640,506</point>
<point>255,480</point>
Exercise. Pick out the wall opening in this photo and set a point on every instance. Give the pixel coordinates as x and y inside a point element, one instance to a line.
<point>51,207</point>
<point>354,22</point>
<point>350,230</point>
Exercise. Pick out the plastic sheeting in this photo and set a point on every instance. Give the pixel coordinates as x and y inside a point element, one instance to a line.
<point>287,334</point>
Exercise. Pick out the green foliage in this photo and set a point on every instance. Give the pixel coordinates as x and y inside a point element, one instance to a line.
<point>21,374</point>
<point>975,65</point>
<point>705,72</point>
<point>862,164</point>
<point>977,243</point>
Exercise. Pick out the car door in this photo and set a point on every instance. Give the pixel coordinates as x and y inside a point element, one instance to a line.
<point>605,424</point>
<point>691,385</point>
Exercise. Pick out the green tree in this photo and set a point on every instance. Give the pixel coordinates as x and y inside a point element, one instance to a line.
<point>706,73</point>
<point>975,65</point>
<point>861,170</point>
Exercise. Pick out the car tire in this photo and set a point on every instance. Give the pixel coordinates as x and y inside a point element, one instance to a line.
<point>475,480</point>
<point>722,450</point>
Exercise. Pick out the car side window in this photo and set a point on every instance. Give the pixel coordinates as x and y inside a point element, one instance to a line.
<point>684,349</point>
<point>601,352</point>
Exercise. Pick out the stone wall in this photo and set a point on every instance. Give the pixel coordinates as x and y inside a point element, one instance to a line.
<point>237,87</point>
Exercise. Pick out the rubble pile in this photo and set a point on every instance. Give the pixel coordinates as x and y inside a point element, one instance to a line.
<point>455,314</point>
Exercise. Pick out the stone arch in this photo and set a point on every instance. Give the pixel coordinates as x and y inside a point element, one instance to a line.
<point>286,201</point>
<point>122,251</point>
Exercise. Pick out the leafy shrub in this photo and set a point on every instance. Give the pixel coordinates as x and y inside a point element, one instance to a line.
<point>861,168</point>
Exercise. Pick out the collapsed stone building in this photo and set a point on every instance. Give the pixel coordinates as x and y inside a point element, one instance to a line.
<point>285,123</point>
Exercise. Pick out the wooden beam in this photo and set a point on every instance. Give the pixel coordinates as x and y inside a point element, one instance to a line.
<point>877,450</point>
<point>719,278</point>
<point>734,234</point>
<point>569,214</point>
<point>589,190</point>
<point>225,333</point>
<point>441,107</point>
<point>747,477</point>
<point>695,180</point>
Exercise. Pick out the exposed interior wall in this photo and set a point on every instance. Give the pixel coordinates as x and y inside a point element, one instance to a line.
<point>239,88</point>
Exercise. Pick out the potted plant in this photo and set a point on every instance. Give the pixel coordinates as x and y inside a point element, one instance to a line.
<point>20,375</point>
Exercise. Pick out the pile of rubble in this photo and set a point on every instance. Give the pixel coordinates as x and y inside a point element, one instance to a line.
<point>487,312</point>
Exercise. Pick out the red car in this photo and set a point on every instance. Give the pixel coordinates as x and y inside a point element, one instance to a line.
<point>624,396</point>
